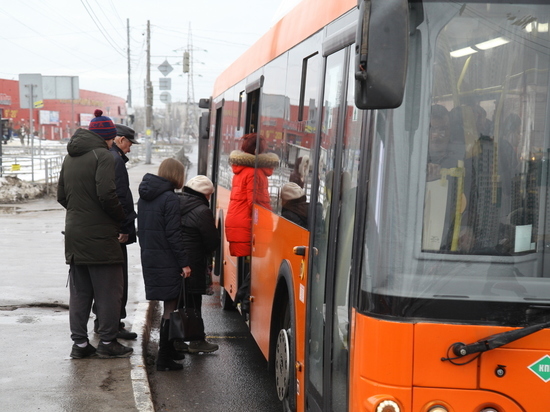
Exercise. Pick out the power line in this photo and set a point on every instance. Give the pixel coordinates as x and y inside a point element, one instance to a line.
<point>101,29</point>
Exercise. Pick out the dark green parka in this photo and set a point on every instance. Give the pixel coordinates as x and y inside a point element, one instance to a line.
<point>87,190</point>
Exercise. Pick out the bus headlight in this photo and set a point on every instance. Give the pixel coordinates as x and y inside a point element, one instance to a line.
<point>438,408</point>
<point>488,410</point>
<point>388,406</point>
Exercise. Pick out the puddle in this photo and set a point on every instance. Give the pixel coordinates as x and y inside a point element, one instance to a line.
<point>9,210</point>
<point>27,319</point>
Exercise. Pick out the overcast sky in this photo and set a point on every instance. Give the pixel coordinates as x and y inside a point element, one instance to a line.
<point>88,39</point>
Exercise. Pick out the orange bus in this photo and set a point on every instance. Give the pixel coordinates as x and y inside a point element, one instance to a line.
<point>420,133</point>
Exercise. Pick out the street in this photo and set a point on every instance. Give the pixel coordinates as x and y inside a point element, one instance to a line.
<point>234,378</point>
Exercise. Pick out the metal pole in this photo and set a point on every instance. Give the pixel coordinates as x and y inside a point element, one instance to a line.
<point>149,101</point>
<point>72,107</point>
<point>129,99</point>
<point>1,137</point>
<point>31,129</point>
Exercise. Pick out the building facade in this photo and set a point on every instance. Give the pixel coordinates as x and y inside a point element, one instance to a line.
<point>58,119</point>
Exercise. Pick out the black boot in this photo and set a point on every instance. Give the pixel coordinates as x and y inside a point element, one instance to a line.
<point>165,362</point>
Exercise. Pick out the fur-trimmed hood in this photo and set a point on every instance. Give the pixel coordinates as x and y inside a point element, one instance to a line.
<point>240,158</point>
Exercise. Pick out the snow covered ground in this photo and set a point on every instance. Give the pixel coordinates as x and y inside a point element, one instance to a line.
<point>17,187</point>
<point>15,190</point>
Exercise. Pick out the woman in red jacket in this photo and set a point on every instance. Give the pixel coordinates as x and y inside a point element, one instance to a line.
<point>246,188</point>
<point>249,185</point>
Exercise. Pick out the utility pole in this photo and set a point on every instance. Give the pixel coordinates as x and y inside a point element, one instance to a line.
<point>2,137</point>
<point>149,101</point>
<point>31,128</point>
<point>129,98</point>
<point>191,123</point>
<point>148,86</point>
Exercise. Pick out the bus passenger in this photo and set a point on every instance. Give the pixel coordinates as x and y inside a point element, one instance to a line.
<point>163,256</point>
<point>86,189</point>
<point>509,160</point>
<point>124,139</point>
<point>295,205</point>
<point>439,142</point>
<point>245,188</point>
<point>445,163</point>
<point>249,185</point>
<point>300,172</point>
<point>200,239</point>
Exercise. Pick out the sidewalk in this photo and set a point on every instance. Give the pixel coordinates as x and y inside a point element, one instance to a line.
<point>37,372</point>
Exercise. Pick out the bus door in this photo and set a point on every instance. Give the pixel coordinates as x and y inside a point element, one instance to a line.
<point>338,157</point>
<point>251,122</point>
<point>213,152</point>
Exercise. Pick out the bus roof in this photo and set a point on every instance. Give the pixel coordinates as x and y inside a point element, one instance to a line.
<point>308,17</point>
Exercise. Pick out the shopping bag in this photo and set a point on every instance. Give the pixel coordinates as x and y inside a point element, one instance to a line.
<point>176,326</point>
<point>185,322</point>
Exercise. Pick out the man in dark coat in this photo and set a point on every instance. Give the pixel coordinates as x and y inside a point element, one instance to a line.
<point>86,189</point>
<point>123,142</point>
<point>200,239</point>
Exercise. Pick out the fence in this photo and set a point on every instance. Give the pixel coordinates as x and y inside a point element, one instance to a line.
<point>40,169</point>
<point>45,165</point>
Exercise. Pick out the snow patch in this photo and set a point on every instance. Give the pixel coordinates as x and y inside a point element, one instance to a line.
<point>15,190</point>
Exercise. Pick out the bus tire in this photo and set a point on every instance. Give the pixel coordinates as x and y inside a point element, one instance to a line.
<point>283,328</point>
<point>289,399</point>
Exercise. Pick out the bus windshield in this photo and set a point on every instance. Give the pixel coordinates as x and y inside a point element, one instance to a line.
<point>458,206</point>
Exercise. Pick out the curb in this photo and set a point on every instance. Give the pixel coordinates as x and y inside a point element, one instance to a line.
<point>140,381</point>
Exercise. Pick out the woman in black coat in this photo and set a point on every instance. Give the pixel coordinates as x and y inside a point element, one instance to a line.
<point>200,239</point>
<point>163,258</point>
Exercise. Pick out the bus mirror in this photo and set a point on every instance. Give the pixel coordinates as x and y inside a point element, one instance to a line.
<point>204,127</point>
<point>381,51</point>
<point>204,103</point>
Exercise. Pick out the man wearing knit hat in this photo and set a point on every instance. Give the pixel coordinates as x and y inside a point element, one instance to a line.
<point>86,189</point>
<point>103,126</point>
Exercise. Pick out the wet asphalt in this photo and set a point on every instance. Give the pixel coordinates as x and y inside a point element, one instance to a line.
<point>234,378</point>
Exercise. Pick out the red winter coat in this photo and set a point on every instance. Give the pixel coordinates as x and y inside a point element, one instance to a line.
<point>238,222</point>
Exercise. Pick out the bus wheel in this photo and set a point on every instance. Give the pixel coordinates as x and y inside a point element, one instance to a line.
<point>225,300</point>
<point>285,359</point>
<point>282,364</point>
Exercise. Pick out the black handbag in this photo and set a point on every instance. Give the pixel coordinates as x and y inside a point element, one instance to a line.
<point>185,323</point>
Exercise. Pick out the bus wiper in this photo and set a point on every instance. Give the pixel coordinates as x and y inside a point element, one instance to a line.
<point>496,341</point>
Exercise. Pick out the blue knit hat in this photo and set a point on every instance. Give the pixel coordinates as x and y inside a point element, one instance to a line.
<point>102,125</point>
